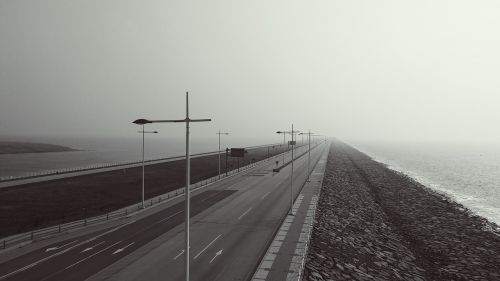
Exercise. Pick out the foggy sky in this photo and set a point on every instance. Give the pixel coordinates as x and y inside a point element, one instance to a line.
<point>395,70</point>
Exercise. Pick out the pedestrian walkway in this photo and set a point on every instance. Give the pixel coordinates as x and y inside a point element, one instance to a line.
<point>284,260</point>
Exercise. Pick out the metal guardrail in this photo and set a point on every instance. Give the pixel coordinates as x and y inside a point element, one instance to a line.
<point>48,232</point>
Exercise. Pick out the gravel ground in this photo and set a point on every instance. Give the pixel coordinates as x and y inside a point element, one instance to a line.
<point>373,223</point>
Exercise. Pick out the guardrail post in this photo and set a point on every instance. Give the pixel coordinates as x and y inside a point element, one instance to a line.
<point>107,216</point>
<point>4,244</point>
<point>126,211</point>
<point>85,221</point>
<point>32,236</point>
<point>59,228</point>
<point>151,202</point>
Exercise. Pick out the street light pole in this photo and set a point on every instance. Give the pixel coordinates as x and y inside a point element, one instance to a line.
<point>143,132</point>
<point>291,181</point>
<point>188,191</point>
<point>309,152</point>
<point>284,143</point>
<point>309,155</point>
<point>292,132</point>
<point>219,133</point>
<point>187,120</point>
<point>142,205</point>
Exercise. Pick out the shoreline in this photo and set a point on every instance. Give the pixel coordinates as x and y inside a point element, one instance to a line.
<point>14,147</point>
<point>374,223</point>
<point>451,195</point>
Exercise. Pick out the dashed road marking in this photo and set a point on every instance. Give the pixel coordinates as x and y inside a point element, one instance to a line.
<point>122,249</point>
<point>265,195</point>
<point>94,254</point>
<point>209,244</point>
<point>169,217</point>
<point>62,252</point>
<point>242,215</point>
<point>90,248</point>
<point>59,247</point>
<point>178,255</point>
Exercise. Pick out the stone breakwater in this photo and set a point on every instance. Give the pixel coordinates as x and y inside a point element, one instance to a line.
<point>373,223</point>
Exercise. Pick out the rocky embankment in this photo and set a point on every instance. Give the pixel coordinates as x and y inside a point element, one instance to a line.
<point>373,223</point>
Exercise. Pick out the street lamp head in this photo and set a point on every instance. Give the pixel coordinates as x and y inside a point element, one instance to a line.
<point>141,121</point>
<point>278,132</point>
<point>155,132</point>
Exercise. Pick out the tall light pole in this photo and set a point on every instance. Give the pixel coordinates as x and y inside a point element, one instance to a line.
<point>187,120</point>
<point>219,133</point>
<point>292,132</point>
<point>319,136</point>
<point>144,132</point>
<point>309,152</point>
<point>284,143</point>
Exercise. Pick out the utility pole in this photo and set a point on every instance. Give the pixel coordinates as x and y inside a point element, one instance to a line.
<point>227,151</point>
<point>219,133</point>
<point>284,142</point>
<point>291,180</point>
<point>292,132</point>
<point>143,132</point>
<point>309,134</point>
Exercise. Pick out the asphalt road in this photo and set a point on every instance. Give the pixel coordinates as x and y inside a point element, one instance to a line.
<point>233,222</point>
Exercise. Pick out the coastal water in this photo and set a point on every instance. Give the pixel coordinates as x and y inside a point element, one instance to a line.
<point>468,173</point>
<point>99,151</point>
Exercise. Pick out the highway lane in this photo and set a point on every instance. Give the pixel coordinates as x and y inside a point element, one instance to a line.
<point>228,239</point>
<point>77,259</point>
<point>235,224</point>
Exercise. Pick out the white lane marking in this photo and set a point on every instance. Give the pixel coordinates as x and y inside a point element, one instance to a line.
<point>216,254</point>
<point>61,252</point>
<point>91,248</point>
<point>169,217</point>
<point>96,253</point>
<point>242,215</point>
<point>122,249</point>
<point>180,254</point>
<point>207,247</point>
<point>59,247</point>
<point>265,195</point>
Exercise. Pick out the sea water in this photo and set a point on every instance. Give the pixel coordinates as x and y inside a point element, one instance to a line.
<point>468,173</point>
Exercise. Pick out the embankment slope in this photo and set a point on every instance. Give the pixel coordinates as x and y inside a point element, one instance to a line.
<point>373,223</point>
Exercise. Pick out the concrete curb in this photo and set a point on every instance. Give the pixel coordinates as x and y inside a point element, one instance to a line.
<point>292,269</point>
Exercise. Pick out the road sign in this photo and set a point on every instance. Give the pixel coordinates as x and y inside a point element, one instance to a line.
<point>292,142</point>
<point>238,152</point>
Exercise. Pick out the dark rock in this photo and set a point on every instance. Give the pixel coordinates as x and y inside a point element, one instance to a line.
<point>376,224</point>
